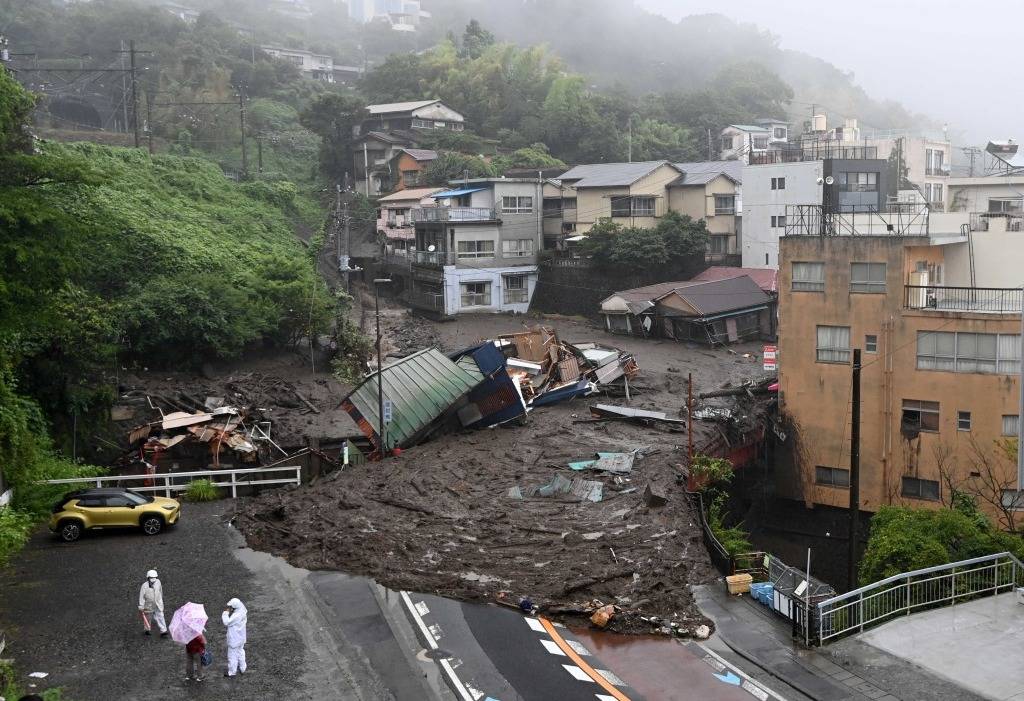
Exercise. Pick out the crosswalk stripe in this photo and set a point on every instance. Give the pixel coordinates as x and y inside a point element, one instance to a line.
<point>578,673</point>
<point>577,647</point>
<point>534,624</point>
<point>611,676</point>
<point>552,647</point>
<point>604,697</point>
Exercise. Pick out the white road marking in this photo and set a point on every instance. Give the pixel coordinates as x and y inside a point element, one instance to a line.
<point>578,673</point>
<point>421,608</point>
<point>577,647</point>
<point>446,666</point>
<point>611,677</point>
<point>605,697</point>
<point>436,631</point>
<point>534,624</point>
<point>749,684</point>
<point>475,693</point>
<point>552,647</point>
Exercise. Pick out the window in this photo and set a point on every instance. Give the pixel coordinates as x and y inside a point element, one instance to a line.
<point>91,502</point>
<point>778,183</point>
<point>568,203</point>
<point>411,177</point>
<point>833,344</point>
<point>421,123</point>
<point>475,249</point>
<point>858,182</point>
<point>475,294</point>
<point>933,192</point>
<point>725,204</point>
<point>831,476</point>
<point>727,142</point>
<point>920,489</point>
<point>963,421</point>
<point>1004,206</point>
<point>620,206</point>
<point>986,353</point>
<point>779,132</point>
<point>118,501</point>
<point>516,205</point>
<point>920,416</point>
<point>517,248</point>
<point>808,277</point>
<point>870,343</point>
<point>643,206</point>
<point>760,142</point>
<point>1011,424</point>
<point>515,289</point>
<point>779,222</point>
<point>933,162</point>
<point>719,244</point>
<point>867,277</point>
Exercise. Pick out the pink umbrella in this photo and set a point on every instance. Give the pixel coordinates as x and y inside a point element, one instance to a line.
<point>188,622</point>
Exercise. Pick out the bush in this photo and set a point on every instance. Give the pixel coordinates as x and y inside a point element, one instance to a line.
<point>202,490</point>
<point>15,527</point>
<point>10,689</point>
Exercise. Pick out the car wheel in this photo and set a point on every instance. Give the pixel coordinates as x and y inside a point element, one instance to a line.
<point>151,525</point>
<point>70,530</point>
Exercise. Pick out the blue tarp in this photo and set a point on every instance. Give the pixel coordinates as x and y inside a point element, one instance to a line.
<point>455,193</point>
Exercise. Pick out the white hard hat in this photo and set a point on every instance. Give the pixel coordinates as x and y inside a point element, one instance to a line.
<point>151,573</point>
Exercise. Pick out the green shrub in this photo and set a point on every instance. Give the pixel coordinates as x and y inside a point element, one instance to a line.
<point>11,689</point>
<point>734,539</point>
<point>15,528</point>
<point>202,490</point>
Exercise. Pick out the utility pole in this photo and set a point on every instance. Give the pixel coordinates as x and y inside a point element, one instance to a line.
<point>133,71</point>
<point>241,120</point>
<point>629,138</point>
<point>1020,413</point>
<point>709,145</point>
<point>259,154</point>
<point>854,473</point>
<point>124,89</point>
<point>380,365</point>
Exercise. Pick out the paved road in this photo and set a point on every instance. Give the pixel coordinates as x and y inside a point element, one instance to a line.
<point>70,611</point>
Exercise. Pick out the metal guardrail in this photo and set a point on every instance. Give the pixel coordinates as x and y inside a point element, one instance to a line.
<point>902,594</point>
<point>170,485</point>
<point>446,214</point>
<point>432,257</point>
<point>980,221</point>
<point>813,151</point>
<point>1001,300</point>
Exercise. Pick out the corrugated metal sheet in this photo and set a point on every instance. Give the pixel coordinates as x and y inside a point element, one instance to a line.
<point>421,387</point>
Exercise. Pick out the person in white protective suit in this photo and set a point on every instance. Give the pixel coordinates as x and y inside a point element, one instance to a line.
<point>151,603</point>
<point>234,617</point>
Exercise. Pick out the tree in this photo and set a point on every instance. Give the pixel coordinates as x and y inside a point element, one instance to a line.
<point>452,166</point>
<point>684,238</point>
<point>534,156</point>
<point>475,40</point>
<point>399,78</point>
<point>674,242</point>
<point>332,117</point>
<point>655,140</point>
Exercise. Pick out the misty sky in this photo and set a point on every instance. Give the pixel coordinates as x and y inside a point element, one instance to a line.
<point>953,60</point>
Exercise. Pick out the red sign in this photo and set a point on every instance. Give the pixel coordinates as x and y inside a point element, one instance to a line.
<point>768,355</point>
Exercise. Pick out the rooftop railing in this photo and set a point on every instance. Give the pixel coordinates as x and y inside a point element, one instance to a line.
<point>982,221</point>
<point>814,151</point>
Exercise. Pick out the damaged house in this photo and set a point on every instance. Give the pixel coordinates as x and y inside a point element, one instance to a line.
<point>719,311</point>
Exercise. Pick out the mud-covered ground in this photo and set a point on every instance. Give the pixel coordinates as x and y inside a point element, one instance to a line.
<point>439,519</point>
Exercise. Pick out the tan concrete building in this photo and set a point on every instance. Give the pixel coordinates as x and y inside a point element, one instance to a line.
<point>712,191</point>
<point>940,379</point>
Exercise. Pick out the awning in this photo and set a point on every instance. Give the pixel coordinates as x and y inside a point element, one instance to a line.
<point>455,193</point>
<point>574,239</point>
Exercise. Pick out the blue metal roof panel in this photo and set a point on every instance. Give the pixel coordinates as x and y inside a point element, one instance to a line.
<point>455,193</point>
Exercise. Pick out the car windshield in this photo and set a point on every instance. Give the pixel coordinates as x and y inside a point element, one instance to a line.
<point>138,498</point>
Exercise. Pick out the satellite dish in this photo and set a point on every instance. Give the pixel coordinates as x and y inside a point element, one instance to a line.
<point>829,180</point>
<point>431,248</point>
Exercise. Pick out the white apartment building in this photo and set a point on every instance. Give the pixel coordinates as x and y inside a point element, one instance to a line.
<point>316,66</point>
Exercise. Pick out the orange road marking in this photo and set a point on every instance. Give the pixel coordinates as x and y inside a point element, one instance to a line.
<point>572,655</point>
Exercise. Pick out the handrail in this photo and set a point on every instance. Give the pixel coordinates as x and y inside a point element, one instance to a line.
<point>909,591</point>
<point>167,478</point>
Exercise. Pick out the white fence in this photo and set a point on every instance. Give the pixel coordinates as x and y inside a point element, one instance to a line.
<point>172,481</point>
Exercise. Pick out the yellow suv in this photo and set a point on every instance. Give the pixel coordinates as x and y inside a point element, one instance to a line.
<point>87,509</point>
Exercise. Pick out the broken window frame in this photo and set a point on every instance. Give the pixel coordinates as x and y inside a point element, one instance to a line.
<point>469,298</point>
<point>808,276</point>
<point>920,416</point>
<point>827,477</point>
<point>515,289</point>
<point>918,490</point>
<point>834,350</point>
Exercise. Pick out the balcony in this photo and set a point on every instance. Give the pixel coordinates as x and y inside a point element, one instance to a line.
<point>812,152</point>
<point>432,258</point>
<point>992,300</point>
<point>430,301</point>
<point>453,214</point>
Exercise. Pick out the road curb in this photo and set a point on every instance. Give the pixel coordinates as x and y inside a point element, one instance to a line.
<point>750,657</point>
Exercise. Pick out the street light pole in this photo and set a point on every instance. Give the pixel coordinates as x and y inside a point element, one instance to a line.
<point>377,282</point>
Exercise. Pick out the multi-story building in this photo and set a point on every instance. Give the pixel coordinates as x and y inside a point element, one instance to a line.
<point>421,115</point>
<point>476,248</point>
<point>394,217</point>
<point>316,66</point>
<point>639,194</point>
<point>402,15</point>
<point>738,141</point>
<point>940,384</point>
<point>407,166</point>
<point>828,175</point>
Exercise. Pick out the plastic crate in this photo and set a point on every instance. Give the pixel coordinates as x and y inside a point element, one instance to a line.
<point>739,583</point>
<point>762,592</point>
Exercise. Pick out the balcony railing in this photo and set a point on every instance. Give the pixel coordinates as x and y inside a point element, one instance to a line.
<point>432,257</point>
<point>812,152</point>
<point>450,214</point>
<point>999,300</point>
<point>981,221</point>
